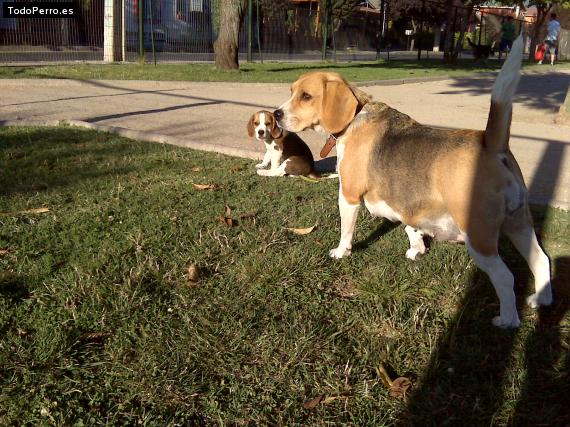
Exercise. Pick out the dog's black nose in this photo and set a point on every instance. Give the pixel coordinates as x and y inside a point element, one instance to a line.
<point>260,132</point>
<point>278,114</point>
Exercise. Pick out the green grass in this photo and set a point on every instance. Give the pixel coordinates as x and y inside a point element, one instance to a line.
<point>262,73</point>
<point>99,323</point>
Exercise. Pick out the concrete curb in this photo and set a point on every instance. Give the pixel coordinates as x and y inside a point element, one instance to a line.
<point>563,116</point>
<point>141,135</point>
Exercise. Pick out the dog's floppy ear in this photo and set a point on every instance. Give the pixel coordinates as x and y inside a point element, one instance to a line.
<point>276,131</point>
<point>339,106</point>
<point>250,126</point>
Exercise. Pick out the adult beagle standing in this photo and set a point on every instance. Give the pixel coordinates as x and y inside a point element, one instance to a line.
<point>455,185</point>
<point>286,153</point>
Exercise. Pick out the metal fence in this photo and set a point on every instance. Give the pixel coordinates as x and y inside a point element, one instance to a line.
<point>36,40</point>
<point>185,30</point>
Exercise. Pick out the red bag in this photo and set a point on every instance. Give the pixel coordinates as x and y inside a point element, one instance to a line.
<point>540,50</point>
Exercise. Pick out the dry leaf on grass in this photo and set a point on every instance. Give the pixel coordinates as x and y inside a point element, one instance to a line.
<point>4,251</point>
<point>227,217</point>
<point>306,178</point>
<point>312,404</point>
<point>193,273</point>
<point>400,387</point>
<point>302,231</point>
<point>397,388</point>
<point>196,169</point>
<point>203,187</point>
<point>28,211</point>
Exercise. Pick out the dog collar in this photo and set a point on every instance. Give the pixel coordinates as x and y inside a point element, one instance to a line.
<point>331,142</point>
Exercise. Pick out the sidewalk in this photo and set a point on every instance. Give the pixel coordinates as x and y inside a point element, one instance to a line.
<point>213,116</point>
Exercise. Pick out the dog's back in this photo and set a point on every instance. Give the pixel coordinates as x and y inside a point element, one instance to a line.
<point>481,51</point>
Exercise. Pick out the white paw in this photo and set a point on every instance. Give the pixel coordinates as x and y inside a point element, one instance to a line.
<point>260,166</point>
<point>413,253</point>
<point>339,252</point>
<point>540,299</point>
<point>511,321</point>
<point>263,172</point>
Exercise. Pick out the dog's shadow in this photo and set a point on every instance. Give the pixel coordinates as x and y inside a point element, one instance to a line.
<point>326,165</point>
<point>384,228</point>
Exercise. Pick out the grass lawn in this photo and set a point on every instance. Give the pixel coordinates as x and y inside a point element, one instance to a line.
<point>100,324</point>
<point>263,73</point>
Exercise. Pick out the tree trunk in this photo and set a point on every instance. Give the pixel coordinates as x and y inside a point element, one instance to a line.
<point>226,45</point>
<point>449,29</point>
<point>541,14</point>
<point>465,25</point>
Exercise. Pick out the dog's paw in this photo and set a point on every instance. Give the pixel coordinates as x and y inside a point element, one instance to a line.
<point>262,172</point>
<point>339,252</point>
<point>414,253</point>
<point>540,299</point>
<point>260,166</point>
<point>508,323</point>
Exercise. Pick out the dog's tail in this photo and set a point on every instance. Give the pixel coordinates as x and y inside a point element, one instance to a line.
<point>497,132</point>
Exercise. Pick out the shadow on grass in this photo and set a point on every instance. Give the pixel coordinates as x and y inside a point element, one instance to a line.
<point>430,64</point>
<point>474,364</point>
<point>43,151</point>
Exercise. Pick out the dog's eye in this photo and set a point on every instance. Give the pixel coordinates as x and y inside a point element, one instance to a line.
<point>256,124</point>
<point>305,96</point>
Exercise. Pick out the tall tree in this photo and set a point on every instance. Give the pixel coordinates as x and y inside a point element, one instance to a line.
<point>227,43</point>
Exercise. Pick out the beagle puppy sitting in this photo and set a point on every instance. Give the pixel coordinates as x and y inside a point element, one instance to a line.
<point>286,153</point>
<point>455,185</point>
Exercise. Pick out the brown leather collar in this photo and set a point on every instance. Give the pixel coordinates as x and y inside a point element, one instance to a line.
<point>331,140</point>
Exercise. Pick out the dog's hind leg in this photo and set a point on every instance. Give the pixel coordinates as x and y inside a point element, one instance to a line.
<point>348,215</point>
<point>278,171</point>
<point>503,282</point>
<point>417,245</point>
<point>521,232</point>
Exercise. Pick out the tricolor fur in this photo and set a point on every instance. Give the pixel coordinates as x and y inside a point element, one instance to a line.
<point>286,153</point>
<point>454,185</point>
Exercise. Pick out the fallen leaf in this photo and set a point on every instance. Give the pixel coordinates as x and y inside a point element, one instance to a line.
<point>397,388</point>
<point>312,404</point>
<point>4,251</point>
<point>381,371</point>
<point>306,178</point>
<point>193,273</point>
<point>226,218</point>
<point>28,211</point>
<point>400,387</point>
<point>202,187</point>
<point>196,169</point>
<point>302,231</point>
<point>332,399</point>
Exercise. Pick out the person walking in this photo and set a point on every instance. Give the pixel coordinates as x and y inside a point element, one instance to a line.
<point>552,33</point>
<point>507,36</point>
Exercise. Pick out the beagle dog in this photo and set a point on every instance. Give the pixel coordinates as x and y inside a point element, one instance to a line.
<point>286,152</point>
<point>454,185</point>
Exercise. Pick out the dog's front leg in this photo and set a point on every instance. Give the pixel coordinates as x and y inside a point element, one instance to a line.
<point>348,215</point>
<point>266,160</point>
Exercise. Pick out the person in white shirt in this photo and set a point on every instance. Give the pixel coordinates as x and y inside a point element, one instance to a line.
<point>552,33</point>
